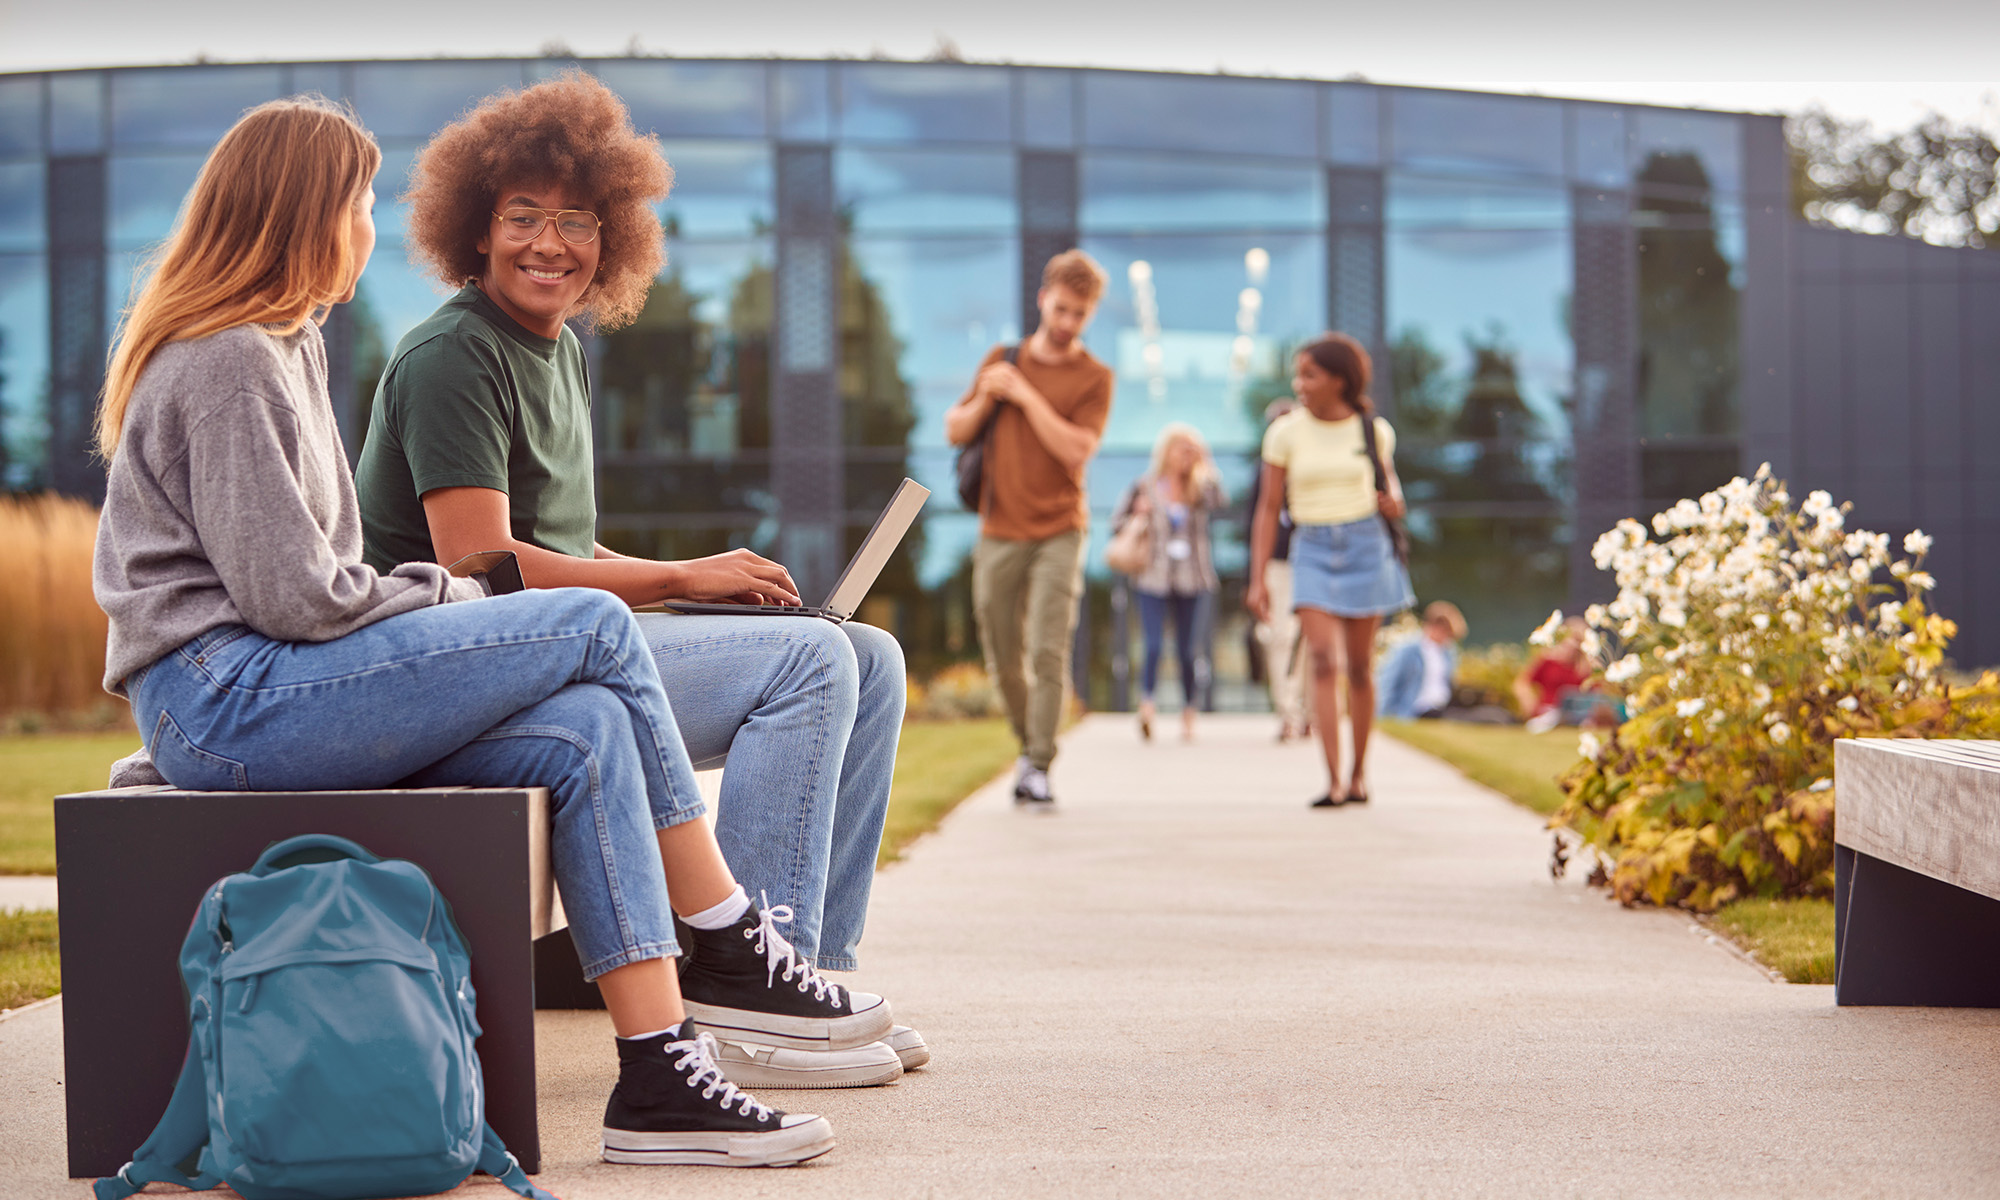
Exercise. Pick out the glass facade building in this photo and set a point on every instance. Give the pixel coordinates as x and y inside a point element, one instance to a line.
<point>1555,293</point>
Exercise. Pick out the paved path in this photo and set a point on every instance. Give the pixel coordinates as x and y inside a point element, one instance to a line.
<point>1187,984</point>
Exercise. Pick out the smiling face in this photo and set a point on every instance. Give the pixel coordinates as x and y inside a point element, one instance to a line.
<point>537,282</point>
<point>1322,392</point>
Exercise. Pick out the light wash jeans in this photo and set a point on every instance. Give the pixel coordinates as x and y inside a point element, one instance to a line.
<point>547,688</point>
<point>806,714</point>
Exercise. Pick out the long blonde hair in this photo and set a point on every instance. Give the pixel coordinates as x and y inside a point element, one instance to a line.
<point>1202,474</point>
<point>266,237</point>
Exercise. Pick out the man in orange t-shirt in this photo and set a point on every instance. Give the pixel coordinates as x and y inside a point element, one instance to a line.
<point>1048,410</point>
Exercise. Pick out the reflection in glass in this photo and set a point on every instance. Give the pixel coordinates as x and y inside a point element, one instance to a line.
<point>910,102</point>
<point>1158,193</point>
<point>690,378</point>
<point>689,99</point>
<point>1048,107</point>
<point>321,79</point>
<point>416,99</point>
<point>1352,120</point>
<point>186,106</point>
<point>1460,132</point>
<point>1714,139</point>
<point>23,206</point>
<point>146,195</point>
<point>24,372</point>
<point>1506,573</point>
<point>76,112</point>
<point>926,191</point>
<point>1226,116</point>
<point>721,189</point>
<point>1689,301</point>
<point>21,115</point>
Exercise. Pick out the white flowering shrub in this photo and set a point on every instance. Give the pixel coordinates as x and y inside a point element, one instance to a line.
<point>1748,636</point>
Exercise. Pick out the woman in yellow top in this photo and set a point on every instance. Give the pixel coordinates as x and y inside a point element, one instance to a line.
<point>1345,573</point>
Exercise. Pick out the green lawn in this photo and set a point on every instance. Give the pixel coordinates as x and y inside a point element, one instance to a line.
<point>34,770</point>
<point>1793,937</point>
<point>1507,758</point>
<point>939,764</point>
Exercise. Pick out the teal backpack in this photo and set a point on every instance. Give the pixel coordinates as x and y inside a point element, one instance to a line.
<point>330,1053</point>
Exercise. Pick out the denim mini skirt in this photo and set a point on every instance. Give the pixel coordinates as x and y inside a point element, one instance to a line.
<point>1349,570</point>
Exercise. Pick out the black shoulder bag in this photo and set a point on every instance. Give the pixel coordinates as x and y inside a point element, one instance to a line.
<point>972,456</point>
<point>1399,537</point>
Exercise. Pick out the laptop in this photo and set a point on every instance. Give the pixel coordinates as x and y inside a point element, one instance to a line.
<point>852,586</point>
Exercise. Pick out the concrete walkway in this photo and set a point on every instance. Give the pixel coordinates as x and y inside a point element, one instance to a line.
<point>1187,984</point>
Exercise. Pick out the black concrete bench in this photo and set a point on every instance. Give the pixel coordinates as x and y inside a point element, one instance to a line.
<point>132,865</point>
<point>1917,872</point>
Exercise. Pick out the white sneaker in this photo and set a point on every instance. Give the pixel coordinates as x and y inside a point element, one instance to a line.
<point>750,1065</point>
<point>1033,789</point>
<point>909,1045</point>
<point>1542,724</point>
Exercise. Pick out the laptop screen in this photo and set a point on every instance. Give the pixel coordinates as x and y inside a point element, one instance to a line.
<point>852,586</point>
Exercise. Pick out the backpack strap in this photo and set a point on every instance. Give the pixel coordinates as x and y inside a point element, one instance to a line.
<point>324,847</point>
<point>180,1136</point>
<point>503,1166</point>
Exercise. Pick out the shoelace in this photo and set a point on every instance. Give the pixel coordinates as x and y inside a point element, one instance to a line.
<point>698,1060</point>
<point>776,950</point>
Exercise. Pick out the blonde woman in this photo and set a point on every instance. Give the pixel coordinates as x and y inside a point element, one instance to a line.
<point>259,652</point>
<point>1178,495</point>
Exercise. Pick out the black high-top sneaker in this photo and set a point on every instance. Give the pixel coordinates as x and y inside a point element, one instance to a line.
<point>746,983</point>
<point>672,1105</point>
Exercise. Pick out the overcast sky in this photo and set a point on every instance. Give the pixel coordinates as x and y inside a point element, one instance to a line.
<point>1682,52</point>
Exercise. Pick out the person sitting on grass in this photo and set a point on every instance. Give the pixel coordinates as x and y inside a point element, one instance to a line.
<point>1556,686</point>
<point>260,653</point>
<point>539,206</point>
<point>1415,679</point>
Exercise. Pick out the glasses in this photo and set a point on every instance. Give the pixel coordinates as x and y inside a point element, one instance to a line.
<point>573,225</point>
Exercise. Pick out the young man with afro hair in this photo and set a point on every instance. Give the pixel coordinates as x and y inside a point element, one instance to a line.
<point>539,206</point>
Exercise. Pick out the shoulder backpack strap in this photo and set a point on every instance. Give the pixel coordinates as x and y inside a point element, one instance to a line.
<point>1012,357</point>
<point>1374,455</point>
<point>178,1138</point>
<point>495,1160</point>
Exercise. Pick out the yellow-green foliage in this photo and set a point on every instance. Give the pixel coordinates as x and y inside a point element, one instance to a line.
<point>1750,637</point>
<point>51,630</point>
<point>1486,675</point>
<point>959,692</point>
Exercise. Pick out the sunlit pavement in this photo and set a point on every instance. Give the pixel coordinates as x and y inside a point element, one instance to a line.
<point>1187,983</point>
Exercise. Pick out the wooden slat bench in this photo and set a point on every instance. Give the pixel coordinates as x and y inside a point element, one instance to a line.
<point>1917,872</point>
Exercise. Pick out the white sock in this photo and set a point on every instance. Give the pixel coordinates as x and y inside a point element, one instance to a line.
<point>722,915</point>
<point>640,1037</point>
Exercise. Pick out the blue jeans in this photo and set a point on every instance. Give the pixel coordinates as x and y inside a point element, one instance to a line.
<point>807,715</point>
<point>1153,613</point>
<point>538,688</point>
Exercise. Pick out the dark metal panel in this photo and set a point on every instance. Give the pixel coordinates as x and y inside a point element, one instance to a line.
<point>1765,393</point>
<point>1604,325</point>
<point>1048,199</point>
<point>808,459</point>
<point>77,336</point>
<point>1820,450</point>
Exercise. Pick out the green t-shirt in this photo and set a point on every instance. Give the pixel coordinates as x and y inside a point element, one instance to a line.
<point>472,399</point>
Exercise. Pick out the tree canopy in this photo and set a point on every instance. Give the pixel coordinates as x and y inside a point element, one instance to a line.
<point>1938,180</point>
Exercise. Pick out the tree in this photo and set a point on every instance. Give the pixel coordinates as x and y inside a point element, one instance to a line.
<point>1938,180</point>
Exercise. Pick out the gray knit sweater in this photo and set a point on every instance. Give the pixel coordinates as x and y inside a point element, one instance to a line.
<point>230,502</point>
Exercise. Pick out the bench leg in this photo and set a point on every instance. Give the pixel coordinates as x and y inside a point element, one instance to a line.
<point>1903,938</point>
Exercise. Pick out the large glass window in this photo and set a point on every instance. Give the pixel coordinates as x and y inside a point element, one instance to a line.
<point>1597,152</point>
<point>1479,363</point>
<point>24,371</point>
<point>721,189</point>
<point>1048,107</point>
<point>805,104</point>
<point>324,79</point>
<point>21,115</point>
<point>186,106</point>
<point>915,103</point>
<point>1714,141</point>
<point>146,192</point>
<point>1433,202</point>
<point>914,191</point>
<point>415,100</point>
<point>687,99</point>
<point>24,205</point>
<point>1160,193</point>
<point>76,112</point>
<point>1226,116</point>
<point>1462,132</point>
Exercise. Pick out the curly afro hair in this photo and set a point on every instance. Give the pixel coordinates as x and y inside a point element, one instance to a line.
<point>573,131</point>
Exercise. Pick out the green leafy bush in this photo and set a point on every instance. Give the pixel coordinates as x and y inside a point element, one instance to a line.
<point>1750,637</point>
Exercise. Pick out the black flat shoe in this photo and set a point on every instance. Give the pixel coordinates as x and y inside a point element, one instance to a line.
<point>1327,801</point>
<point>1355,798</point>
